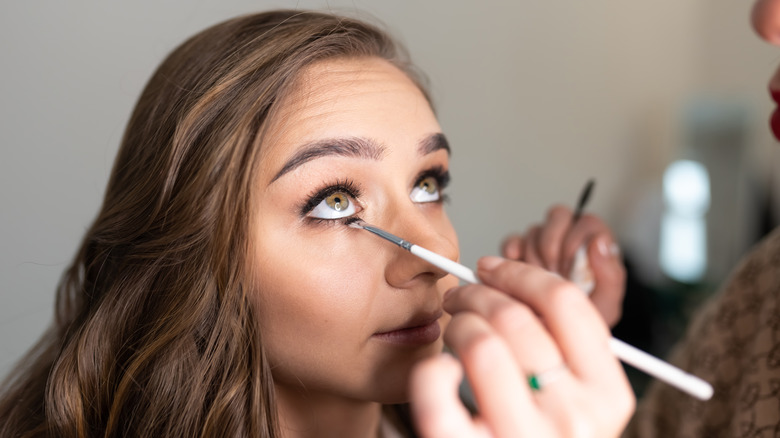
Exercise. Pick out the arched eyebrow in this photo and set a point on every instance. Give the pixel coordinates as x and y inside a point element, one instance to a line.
<point>357,147</point>
<point>434,143</point>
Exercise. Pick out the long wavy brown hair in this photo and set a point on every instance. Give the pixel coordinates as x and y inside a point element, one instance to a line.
<point>153,332</point>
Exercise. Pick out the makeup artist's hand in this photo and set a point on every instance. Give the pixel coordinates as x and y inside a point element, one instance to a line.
<point>522,320</point>
<point>553,245</point>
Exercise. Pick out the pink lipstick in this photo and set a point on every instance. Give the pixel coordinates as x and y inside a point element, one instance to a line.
<point>417,333</point>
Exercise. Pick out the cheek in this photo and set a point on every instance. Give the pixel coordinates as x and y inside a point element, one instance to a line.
<point>447,231</point>
<point>315,287</point>
<point>314,294</point>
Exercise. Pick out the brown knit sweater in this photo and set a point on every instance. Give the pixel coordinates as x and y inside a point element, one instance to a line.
<point>734,343</point>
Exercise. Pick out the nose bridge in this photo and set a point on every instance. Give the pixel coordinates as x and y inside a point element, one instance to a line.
<point>421,231</point>
<point>435,234</point>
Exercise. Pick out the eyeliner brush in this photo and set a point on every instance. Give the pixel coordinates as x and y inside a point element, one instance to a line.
<point>583,201</point>
<point>431,257</point>
<point>580,272</point>
<point>625,352</point>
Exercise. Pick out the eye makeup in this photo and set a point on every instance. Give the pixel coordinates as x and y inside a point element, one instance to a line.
<point>338,201</point>
<point>347,186</point>
<point>440,175</point>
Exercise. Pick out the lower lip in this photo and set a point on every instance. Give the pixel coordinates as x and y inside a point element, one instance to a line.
<point>774,123</point>
<point>415,336</point>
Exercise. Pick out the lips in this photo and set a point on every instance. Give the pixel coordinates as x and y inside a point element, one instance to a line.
<point>422,329</point>
<point>774,120</point>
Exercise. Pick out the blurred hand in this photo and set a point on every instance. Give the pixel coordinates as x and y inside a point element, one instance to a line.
<point>522,320</point>
<point>553,245</point>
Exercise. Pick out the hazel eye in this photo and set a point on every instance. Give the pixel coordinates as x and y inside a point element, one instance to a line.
<point>334,206</point>
<point>338,201</point>
<point>426,190</point>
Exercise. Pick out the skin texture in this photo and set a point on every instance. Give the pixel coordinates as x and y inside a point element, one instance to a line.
<point>325,290</point>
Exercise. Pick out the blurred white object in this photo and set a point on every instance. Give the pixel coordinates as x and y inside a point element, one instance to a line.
<point>683,251</point>
<point>580,273</point>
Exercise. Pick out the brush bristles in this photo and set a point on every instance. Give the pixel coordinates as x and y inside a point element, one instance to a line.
<point>356,223</point>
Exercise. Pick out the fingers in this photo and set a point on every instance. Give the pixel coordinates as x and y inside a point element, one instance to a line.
<point>515,322</point>
<point>531,253</point>
<point>523,320</point>
<point>541,245</point>
<point>512,247</point>
<point>582,233</point>
<point>610,273</point>
<point>571,319</point>
<point>435,403</point>
<point>531,346</point>
<point>491,368</point>
<point>554,245</point>
<point>557,225</point>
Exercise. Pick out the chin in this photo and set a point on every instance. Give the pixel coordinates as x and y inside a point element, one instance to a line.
<point>395,397</point>
<point>391,384</point>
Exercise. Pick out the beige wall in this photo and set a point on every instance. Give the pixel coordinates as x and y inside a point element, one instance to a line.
<point>536,96</point>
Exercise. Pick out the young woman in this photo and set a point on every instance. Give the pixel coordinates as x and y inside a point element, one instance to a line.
<point>219,292</point>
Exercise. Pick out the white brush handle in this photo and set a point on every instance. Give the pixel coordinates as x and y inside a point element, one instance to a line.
<point>662,370</point>
<point>445,264</point>
<point>625,352</point>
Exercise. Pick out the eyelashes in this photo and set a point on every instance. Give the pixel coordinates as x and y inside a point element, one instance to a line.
<point>338,200</point>
<point>441,176</point>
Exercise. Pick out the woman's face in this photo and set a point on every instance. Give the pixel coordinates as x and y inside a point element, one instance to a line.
<point>766,22</point>
<point>343,313</point>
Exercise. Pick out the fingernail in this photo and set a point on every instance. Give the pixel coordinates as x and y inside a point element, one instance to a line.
<point>489,263</point>
<point>614,249</point>
<point>602,248</point>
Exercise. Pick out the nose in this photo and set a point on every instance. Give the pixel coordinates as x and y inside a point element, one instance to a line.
<point>405,270</point>
<point>766,20</point>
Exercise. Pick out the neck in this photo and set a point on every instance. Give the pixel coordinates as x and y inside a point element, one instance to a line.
<point>312,414</point>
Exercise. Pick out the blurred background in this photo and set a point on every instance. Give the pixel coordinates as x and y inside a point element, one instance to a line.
<point>664,103</point>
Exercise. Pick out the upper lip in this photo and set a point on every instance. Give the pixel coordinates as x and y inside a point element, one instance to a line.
<point>420,319</point>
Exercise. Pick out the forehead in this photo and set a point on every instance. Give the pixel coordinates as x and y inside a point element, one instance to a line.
<point>351,97</point>
<point>337,87</point>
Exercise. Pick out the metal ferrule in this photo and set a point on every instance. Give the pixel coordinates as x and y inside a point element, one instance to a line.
<point>391,237</point>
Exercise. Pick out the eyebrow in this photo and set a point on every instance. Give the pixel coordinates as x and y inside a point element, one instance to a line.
<point>357,147</point>
<point>434,143</point>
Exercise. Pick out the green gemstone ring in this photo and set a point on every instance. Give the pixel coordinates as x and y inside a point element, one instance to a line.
<point>537,381</point>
